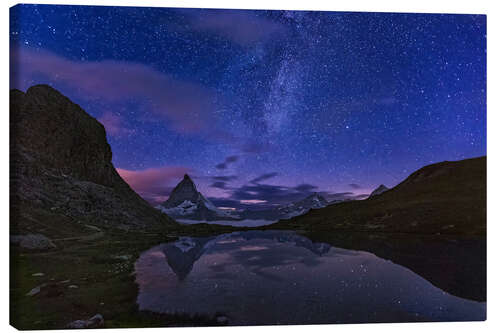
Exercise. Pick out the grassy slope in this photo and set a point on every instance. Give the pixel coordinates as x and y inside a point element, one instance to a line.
<point>442,198</point>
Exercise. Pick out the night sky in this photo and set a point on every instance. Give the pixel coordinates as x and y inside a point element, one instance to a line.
<point>263,107</point>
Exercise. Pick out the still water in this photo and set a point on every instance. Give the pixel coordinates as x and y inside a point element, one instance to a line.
<point>280,277</point>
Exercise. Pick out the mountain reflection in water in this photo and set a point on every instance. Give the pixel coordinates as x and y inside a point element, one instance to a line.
<point>280,277</point>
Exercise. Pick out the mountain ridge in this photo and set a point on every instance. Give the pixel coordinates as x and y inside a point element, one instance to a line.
<point>441,198</point>
<point>61,174</point>
<point>379,190</point>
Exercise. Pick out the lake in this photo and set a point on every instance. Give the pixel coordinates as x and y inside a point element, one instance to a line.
<point>281,277</point>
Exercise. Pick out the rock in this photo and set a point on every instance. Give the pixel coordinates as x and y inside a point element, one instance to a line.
<point>301,207</point>
<point>38,274</point>
<point>73,286</point>
<point>32,242</point>
<point>35,290</point>
<point>223,320</point>
<point>124,257</point>
<point>96,321</point>
<point>379,190</point>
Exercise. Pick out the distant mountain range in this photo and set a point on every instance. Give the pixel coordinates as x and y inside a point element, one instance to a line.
<point>313,201</point>
<point>441,198</point>
<point>186,202</point>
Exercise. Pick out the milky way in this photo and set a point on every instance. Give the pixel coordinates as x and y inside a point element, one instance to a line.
<point>263,106</point>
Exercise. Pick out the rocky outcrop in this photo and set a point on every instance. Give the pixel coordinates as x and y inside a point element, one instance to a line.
<point>313,201</point>
<point>32,242</point>
<point>379,190</point>
<point>61,166</point>
<point>96,321</point>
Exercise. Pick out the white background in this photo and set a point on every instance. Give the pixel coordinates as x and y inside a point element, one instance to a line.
<point>420,6</point>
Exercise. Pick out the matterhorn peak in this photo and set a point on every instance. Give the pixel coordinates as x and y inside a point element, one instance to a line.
<point>186,202</point>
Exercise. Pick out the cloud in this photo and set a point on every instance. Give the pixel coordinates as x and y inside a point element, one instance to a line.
<point>240,26</point>
<point>337,196</point>
<point>253,201</point>
<point>227,161</point>
<point>264,177</point>
<point>114,125</point>
<point>386,101</point>
<point>221,166</point>
<point>225,178</point>
<point>187,107</point>
<point>221,182</point>
<point>355,186</point>
<point>271,194</point>
<point>305,187</point>
<point>221,185</point>
<point>225,202</point>
<point>231,159</point>
<point>153,184</point>
<point>257,196</point>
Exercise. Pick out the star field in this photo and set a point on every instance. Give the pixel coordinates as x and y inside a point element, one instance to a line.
<point>263,105</point>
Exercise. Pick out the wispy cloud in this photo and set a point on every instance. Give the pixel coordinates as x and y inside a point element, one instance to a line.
<point>186,106</point>
<point>229,160</point>
<point>240,26</point>
<point>264,177</point>
<point>114,125</point>
<point>225,178</point>
<point>221,185</point>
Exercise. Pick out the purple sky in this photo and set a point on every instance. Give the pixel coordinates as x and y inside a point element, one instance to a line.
<point>263,106</point>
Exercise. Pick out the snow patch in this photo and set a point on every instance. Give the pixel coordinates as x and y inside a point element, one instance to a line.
<point>185,244</point>
<point>185,208</point>
<point>240,223</point>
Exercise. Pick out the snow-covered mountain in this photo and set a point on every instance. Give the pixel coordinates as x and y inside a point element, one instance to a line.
<point>379,190</point>
<point>186,202</point>
<point>313,201</point>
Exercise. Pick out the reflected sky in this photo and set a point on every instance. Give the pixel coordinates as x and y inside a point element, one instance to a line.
<point>274,277</point>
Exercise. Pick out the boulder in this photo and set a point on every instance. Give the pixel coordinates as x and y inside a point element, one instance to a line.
<point>96,321</point>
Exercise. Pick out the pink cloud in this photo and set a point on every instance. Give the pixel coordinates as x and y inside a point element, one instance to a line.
<point>186,106</point>
<point>114,124</point>
<point>154,184</point>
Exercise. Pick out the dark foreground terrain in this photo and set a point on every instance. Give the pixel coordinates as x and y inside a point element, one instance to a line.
<point>77,228</point>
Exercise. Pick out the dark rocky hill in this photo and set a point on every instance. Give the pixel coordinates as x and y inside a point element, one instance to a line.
<point>442,198</point>
<point>61,175</point>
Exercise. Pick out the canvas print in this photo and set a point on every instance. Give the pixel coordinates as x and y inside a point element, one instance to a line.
<point>204,167</point>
